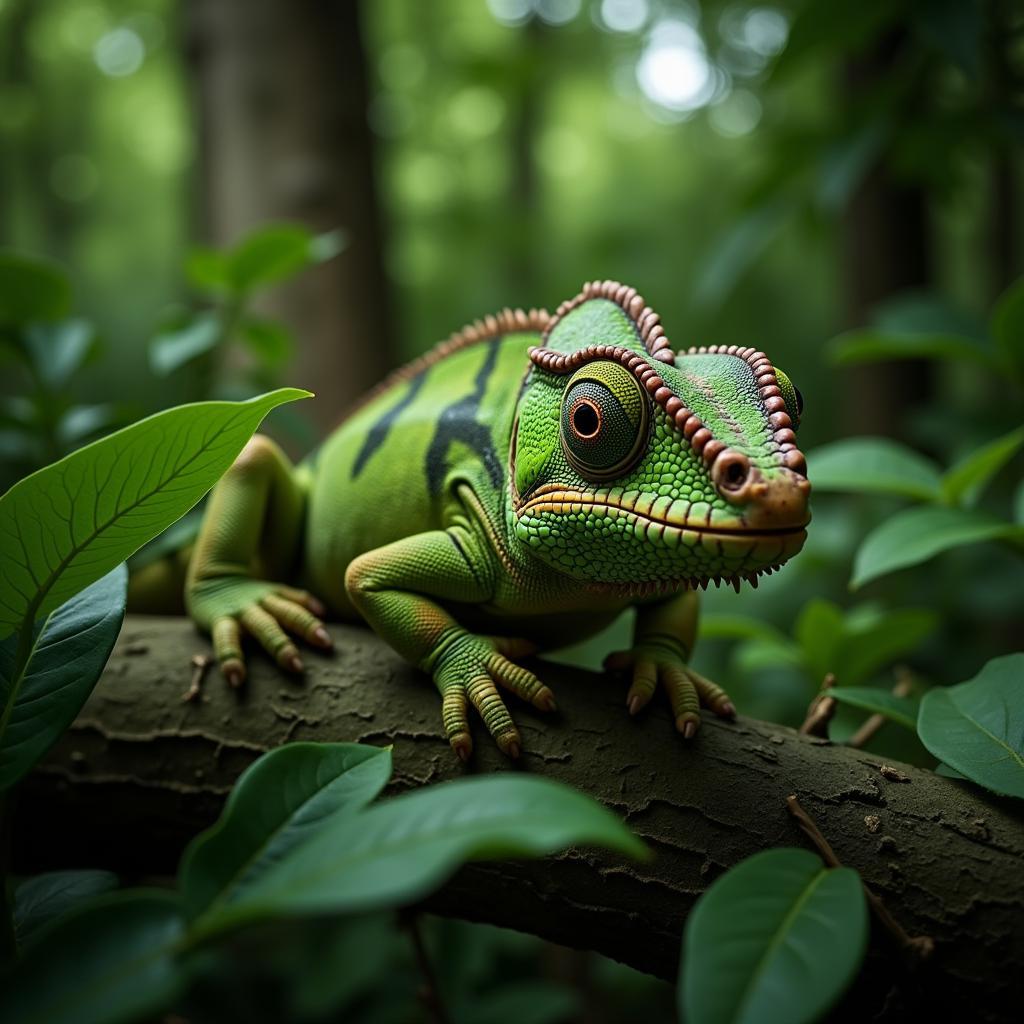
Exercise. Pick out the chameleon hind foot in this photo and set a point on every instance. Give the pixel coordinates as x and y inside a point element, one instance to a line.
<point>469,671</point>
<point>651,663</point>
<point>269,613</point>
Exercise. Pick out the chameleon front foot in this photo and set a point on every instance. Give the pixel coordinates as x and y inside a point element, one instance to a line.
<point>269,613</point>
<point>469,671</point>
<point>654,663</point>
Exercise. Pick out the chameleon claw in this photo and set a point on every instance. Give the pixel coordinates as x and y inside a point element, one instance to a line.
<point>463,746</point>
<point>635,704</point>
<point>727,710</point>
<point>322,637</point>
<point>513,750</point>
<point>688,725</point>
<point>545,702</point>
<point>293,663</point>
<point>234,672</point>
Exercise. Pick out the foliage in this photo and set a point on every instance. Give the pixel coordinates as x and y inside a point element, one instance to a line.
<point>977,727</point>
<point>317,848</point>
<point>778,937</point>
<point>229,280</point>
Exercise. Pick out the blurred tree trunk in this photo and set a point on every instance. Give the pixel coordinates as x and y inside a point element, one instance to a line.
<point>886,249</point>
<point>282,95</point>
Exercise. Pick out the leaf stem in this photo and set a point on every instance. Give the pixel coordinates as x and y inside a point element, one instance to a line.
<point>430,994</point>
<point>902,688</point>
<point>820,713</point>
<point>915,948</point>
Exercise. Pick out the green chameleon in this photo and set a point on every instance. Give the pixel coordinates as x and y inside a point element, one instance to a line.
<point>516,489</point>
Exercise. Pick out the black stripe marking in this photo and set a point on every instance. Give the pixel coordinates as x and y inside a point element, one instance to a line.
<point>378,433</point>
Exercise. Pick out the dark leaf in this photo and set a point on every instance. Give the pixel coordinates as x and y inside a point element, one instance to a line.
<point>42,899</point>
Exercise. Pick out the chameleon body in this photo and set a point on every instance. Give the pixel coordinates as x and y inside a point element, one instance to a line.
<point>517,488</point>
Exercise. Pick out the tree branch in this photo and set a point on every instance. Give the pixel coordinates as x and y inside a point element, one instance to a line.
<point>140,772</point>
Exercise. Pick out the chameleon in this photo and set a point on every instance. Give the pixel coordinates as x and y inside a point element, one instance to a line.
<point>515,489</point>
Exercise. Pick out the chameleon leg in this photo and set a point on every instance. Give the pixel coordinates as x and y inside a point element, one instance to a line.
<point>398,590</point>
<point>663,642</point>
<point>250,536</point>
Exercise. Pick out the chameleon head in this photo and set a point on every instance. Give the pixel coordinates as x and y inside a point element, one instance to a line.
<point>634,466</point>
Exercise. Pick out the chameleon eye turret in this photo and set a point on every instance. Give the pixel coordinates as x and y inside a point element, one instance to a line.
<point>605,419</point>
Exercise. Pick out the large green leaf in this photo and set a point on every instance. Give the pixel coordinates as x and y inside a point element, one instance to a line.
<point>819,631</point>
<point>977,727</point>
<point>31,289</point>
<point>1008,327</point>
<point>44,898</point>
<point>278,803</point>
<point>872,345</point>
<point>113,961</point>
<point>401,849</point>
<point>777,938</point>
<point>873,465</point>
<point>878,702</point>
<point>68,654</point>
<point>70,523</point>
<point>917,534</point>
<point>967,479</point>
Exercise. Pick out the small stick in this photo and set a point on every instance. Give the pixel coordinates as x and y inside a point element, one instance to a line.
<point>820,713</point>
<point>875,722</point>
<point>430,994</point>
<point>916,948</point>
<point>200,663</point>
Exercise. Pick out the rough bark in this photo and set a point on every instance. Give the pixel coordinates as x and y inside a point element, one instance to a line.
<point>282,97</point>
<point>141,771</point>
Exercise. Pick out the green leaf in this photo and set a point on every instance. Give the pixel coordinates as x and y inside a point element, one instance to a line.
<point>873,465</point>
<point>1008,327</point>
<point>865,649</point>
<point>949,773</point>
<point>58,350</point>
<point>42,899</point>
<point>66,658</point>
<point>977,727</point>
<point>31,289</point>
<point>207,270</point>
<point>917,534</point>
<point>777,938</point>
<point>878,702</point>
<point>279,802</point>
<point>819,631</point>
<point>399,850</point>
<point>270,341</point>
<point>269,255</point>
<point>716,626</point>
<point>873,345</point>
<point>967,479</point>
<point>177,346</point>
<point>70,523</point>
<point>110,962</point>
<point>1018,504</point>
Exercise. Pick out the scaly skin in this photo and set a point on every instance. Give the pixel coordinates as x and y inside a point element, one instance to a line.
<point>473,517</point>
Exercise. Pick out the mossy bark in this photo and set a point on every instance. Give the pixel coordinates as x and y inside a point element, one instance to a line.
<point>141,771</point>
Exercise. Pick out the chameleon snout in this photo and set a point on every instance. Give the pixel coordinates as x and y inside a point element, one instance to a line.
<point>776,502</point>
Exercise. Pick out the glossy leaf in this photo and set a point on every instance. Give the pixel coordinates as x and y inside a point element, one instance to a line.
<point>917,534</point>
<point>207,270</point>
<point>977,727</point>
<point>399,850</point>
<point>276,252</point>
<point>777,938</point>
<point>968,478</point>
<point>819,631</point>
<point>174,347</point>
<point>31,289</point>
<point>1008,327</point>
<point>70,523</point>
<point>277,804</point>
<point>112,961</point>
<point>66,659</point>
<point>58,350</point>
<point>873,465</point>
<point>879,702</point>
<point>44,898</point>
<point>873,345</point>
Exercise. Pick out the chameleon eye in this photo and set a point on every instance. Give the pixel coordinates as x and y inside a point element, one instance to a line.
<point>791,396</point>
<point>605,416</point>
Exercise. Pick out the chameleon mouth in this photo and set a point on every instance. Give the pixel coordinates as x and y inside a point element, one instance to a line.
<point>748,551</point>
